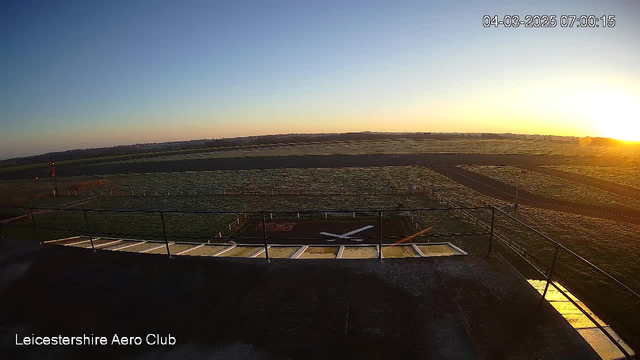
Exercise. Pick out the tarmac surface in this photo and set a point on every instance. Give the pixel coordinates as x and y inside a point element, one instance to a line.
<point>308,161</point>
<point>500,190</point>
<point>591,181</point>
<point>458,307</point>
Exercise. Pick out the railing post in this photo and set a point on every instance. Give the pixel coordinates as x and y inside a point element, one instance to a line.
<point>86,224</point>
<point>380,235</point>
<point>550,274</point>
<point>164,233</point>
<point>493,218</point>
<point>35,228</point>
<point>264,236</point>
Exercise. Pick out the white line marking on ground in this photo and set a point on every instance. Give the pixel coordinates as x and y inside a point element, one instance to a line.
<point>299,252</point>
<point>190,249</point>
<point>224,250</point>
<point>155,248</point>
<point>417,249</point>
<point>259,252</point>
<point>108,244</point>
<point>76,243</point>
<point>67,238</point>
<point>128,246</point>
<point>462,252</point>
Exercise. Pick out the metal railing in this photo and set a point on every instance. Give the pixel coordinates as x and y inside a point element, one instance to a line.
<point>371,214</point>
<point>551,271</point>
<point>461,211</point>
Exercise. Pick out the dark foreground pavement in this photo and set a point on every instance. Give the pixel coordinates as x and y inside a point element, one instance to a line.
<point>460,307</point>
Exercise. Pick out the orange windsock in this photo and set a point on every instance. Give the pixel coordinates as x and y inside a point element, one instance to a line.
<point>413,236</point>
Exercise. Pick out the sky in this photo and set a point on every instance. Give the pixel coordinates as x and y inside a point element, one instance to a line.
<point>79,74</point>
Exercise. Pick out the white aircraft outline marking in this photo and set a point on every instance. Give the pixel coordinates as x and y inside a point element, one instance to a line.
<point>346,235</point>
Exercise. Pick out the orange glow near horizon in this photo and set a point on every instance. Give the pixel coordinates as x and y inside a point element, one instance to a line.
<point>613,111</point>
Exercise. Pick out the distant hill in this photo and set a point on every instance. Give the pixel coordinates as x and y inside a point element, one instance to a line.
<point>242,141</point>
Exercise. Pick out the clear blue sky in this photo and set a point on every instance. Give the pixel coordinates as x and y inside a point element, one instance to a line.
<point>81,74</point>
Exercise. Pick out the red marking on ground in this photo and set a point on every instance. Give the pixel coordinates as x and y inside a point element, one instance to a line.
<point>286,226</point>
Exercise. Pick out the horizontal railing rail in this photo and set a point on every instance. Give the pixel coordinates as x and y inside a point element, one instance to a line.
<point>258,212</point>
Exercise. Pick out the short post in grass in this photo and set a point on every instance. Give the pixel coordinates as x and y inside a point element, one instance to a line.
<point>493,218</point>
<point>86,224</point>
<point>164,233</point>
<point>515,207</point>
<point>476,221</point>
<point>264,236</point>
<point>35,228</point>
<point>380,235</point>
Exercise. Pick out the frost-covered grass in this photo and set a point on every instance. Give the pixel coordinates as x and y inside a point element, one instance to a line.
<point>554,187</point>
<point>623,175</point>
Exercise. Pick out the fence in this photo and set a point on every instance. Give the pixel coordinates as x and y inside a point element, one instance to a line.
<point>228,221</point>
<point>484,218</point>
<point>253,190</point>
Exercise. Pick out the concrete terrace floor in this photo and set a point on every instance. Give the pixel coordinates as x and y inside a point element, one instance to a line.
<point>458,307</point>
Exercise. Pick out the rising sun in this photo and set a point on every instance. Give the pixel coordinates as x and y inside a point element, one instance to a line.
<point>616,115</point>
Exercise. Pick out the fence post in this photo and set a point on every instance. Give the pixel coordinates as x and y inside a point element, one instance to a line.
<point>493,218</point>
<point>264,236</point>
<point>86,224</point>
<point>164,233</point>
<point>33,221</point>
<point>550,274</point>
<point>380,235</point>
